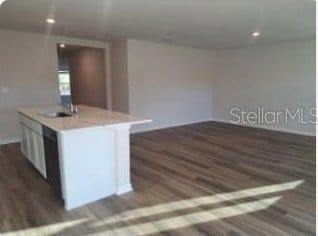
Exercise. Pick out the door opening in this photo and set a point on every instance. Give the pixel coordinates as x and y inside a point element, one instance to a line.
<point>81,75</point>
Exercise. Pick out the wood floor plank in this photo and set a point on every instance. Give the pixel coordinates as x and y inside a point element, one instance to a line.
<point>194,173</point>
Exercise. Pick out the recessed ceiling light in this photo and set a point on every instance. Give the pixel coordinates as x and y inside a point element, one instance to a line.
<point>256,34</point>
<point>50,20</point>
<point>62,45</point>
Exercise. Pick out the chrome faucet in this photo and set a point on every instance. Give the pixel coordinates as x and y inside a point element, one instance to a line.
<point>70,107</point>
<point>73,108</point>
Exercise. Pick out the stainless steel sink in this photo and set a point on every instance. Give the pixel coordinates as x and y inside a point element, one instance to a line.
<point>57,114</point>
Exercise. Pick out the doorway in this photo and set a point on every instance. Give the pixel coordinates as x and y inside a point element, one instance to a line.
<point>81,75</point>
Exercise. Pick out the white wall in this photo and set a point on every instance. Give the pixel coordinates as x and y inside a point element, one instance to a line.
<point>28,74</point>
<point>274,76</point>
<point>172,85</point>
<point>169,84</point>
<point>120,82</point>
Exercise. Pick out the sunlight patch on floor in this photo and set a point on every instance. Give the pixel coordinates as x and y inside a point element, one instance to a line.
<point>191,219</point>
<point>195,202</point>
<point>47,229</point>
<point>105,227</point>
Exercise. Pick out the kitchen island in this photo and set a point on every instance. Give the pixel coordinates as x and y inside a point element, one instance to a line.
<point>85,157</point>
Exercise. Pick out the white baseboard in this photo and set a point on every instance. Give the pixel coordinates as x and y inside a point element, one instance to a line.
<point>284,130</point>
<point>8,141</point>
<point>227,122</point>
<point>169,126</point>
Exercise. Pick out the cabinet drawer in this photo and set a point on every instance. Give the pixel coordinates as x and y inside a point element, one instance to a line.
<point>37,127</point>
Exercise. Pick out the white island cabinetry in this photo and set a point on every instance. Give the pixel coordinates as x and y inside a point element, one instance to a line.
<point>32,145</point>
<point>92,158</point>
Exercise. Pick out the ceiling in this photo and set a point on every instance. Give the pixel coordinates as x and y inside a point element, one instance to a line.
<point>195,23</point>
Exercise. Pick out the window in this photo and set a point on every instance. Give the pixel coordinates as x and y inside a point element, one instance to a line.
<point>65,87</point>
<point>64,83</point>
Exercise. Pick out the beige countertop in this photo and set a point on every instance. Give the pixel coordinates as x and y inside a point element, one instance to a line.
<point>86,117</point>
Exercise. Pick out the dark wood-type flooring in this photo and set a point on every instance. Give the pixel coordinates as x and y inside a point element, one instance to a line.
<point>204,165</point>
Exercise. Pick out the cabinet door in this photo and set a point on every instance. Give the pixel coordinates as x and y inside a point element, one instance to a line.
<point>41,156</point>
<point>32,146</point>
<point>24,140</point>
<point>33,149</point>
<point>37,152</point>
<point>28,143</point>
